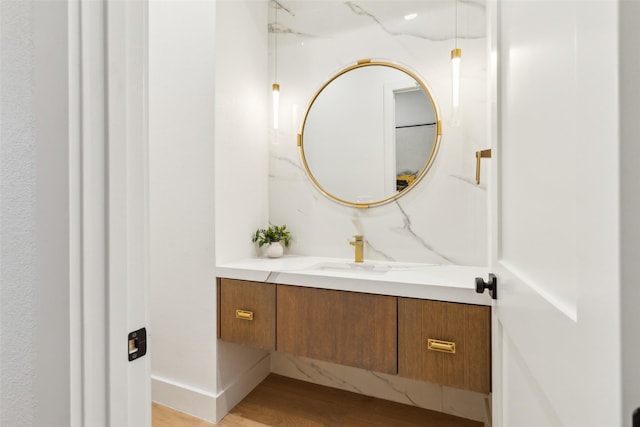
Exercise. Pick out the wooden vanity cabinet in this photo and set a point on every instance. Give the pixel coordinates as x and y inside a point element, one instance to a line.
<point>440,342</point>
<point>247,313</point>
<point>348,328</point>
<point>459,354</point>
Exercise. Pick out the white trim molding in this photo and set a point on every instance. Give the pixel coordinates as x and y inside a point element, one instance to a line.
<point>203,404</point>
<point>108,160</point>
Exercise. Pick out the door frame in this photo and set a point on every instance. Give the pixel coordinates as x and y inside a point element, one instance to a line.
<point>493,62</point>
<point>108,181</point>
<point>630,206</point>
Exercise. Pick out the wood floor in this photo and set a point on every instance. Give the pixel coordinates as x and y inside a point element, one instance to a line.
<point>282,401</point>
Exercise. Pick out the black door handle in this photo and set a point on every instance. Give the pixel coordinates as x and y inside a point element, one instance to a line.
<point>492,286</point>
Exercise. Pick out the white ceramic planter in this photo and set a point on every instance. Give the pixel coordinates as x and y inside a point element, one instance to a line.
<point>275,250</point>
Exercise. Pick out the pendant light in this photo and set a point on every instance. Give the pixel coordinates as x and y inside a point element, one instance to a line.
<point>456,55</point>
<point>275,87</point>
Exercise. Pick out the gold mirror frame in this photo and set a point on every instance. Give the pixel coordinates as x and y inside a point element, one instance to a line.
<point>360,64</point>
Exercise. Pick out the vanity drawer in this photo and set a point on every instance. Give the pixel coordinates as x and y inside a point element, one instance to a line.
<point>445,343</point>
<point>348,328</point>
<point>247,313</point>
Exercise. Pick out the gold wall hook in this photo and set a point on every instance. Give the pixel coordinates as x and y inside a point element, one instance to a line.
<point>482,154</point>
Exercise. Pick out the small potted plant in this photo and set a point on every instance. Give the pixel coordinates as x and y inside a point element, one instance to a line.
<point>273,236</point>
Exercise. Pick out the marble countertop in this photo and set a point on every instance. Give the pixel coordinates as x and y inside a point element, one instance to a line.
<point>452,283</point>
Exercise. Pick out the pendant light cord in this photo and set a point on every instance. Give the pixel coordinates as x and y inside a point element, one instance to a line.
<point>275,35</point>
<point>456,25</point>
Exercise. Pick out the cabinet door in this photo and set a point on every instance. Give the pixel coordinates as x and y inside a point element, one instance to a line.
<point>247,313</point>
<point>459,353</point>
<point>348,328</point>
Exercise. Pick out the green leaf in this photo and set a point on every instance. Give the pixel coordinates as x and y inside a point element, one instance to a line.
<point>273,233</point>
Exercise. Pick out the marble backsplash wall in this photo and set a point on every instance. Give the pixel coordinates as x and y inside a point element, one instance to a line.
<point>462,403</point>
<point>444,218</point>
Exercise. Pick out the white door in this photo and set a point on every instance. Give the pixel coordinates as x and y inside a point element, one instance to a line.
<point>554,190</point>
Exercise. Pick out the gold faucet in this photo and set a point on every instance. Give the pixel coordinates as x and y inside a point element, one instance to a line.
<point>359,244</point>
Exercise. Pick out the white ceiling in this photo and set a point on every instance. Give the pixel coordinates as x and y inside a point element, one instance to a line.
<point>435,20</point>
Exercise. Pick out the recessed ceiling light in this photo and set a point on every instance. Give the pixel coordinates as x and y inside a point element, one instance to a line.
<point>410,16</point>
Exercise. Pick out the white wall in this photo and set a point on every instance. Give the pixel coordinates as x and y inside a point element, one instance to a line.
<point>182,239</point>
<point>18,317</point>
<point>34,211</point>
<point>208,145</point>
<point>242,89</point>
<point>241,148</point>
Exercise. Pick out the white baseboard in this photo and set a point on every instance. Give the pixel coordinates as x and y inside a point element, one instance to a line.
<point>243,385</point>
<point>203,404</point>
<point>184,398</point>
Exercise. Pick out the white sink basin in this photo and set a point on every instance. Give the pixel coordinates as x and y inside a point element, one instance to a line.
<point>367,267</point>
<point>360,267</point>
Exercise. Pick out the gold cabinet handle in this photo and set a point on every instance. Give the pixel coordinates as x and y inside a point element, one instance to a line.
<point>482,154</point>
<point>244,314</point>
<point>443,346</point>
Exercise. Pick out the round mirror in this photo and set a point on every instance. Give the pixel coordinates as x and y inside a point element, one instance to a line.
<point>369,134</point>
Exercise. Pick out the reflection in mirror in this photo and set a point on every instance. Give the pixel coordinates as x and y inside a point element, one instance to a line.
<point>415,133</point>
<point>369,134</point>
